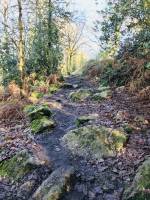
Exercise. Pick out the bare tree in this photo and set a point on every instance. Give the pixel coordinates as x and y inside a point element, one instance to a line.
<point>72,41</point>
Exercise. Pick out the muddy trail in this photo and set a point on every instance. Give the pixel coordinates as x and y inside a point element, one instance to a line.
<point>104,179</point>
<point>93,179</point>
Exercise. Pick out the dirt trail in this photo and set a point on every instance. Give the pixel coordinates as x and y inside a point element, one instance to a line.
<point>103,180</point>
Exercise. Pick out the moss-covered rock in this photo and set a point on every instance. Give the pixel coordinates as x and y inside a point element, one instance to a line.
<point>54,88</point>
<point>70,86</point>
<point>37,95</point>
<point>139,190</point>
<point>56,185</point>
<point>34,97</point>
<point>97,97</point>
<point>95,141</point>
<point>41,124</point>
<point>103,88</point>
<point>36,111</point>
<point>102,95</point>
<point>84,119</point>
<point>67,86</point>
<point>18,166</point>
<point>40,117</point>
<point>80,95</point>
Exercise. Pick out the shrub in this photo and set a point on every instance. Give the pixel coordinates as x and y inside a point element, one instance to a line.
<point>11,111</point>
<point>94,68</point>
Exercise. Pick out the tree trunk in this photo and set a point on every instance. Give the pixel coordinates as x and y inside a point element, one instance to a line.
<point>49,23</point>
<point>51,64</point>
<point>5,14</point>
<point>21,47</point>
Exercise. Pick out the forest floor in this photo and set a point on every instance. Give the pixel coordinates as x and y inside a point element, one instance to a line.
<point>94,180</point>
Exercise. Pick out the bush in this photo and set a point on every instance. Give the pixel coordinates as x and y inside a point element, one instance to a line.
<point>116,77</point>
<point>94,68</point>
<point>129,70</point>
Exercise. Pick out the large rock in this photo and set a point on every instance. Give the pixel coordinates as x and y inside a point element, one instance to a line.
<point>95,141</point>
<point>140,188</point>
<point>19,165</point>
<point>80,95</point>
<point>56,185</point>
<point>54,88</point>
<point>39,117</point>
<point>36,111</point>
<point>34,97</point>
<point>41,124</point>
<point>102,95</point>
<point>86,118</point>
<point>67,86</point>
<point>70,86</point>
<point>103,88</point>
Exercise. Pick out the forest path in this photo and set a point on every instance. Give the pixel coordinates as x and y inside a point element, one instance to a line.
<point>103,180</point>
<point>65,116</point>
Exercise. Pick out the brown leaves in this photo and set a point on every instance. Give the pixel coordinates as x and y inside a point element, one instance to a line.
<point>11,111</point>
<point>14,90</point>
<point>144,94</point>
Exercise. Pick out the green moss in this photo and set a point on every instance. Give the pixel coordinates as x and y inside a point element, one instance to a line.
<point>15,167</point>
<point>36,111</point>
<point>37,95</point>
<point>54,88</point>
<point>102,95</point>
<point>141,183</point>
<point>128,128</point>
<point>41,124</point>
<point>80,95</point>
<point>119,139</point>
<point>95,141</point>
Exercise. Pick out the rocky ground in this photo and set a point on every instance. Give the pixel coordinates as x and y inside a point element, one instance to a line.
<point>79,177</point>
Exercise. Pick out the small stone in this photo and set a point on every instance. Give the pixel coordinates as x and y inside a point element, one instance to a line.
<point>98,190</point>
<point>110,197</point>
<point>79,188</point>
<point>78,175</point>
<point>115,170</point>
<point>90,178</point>
<point>57,149</point>
<point>102,169</point>
<point>91,195</point>
<point>75,86</point>
<point>85,190</point>
<point>101,160</point>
